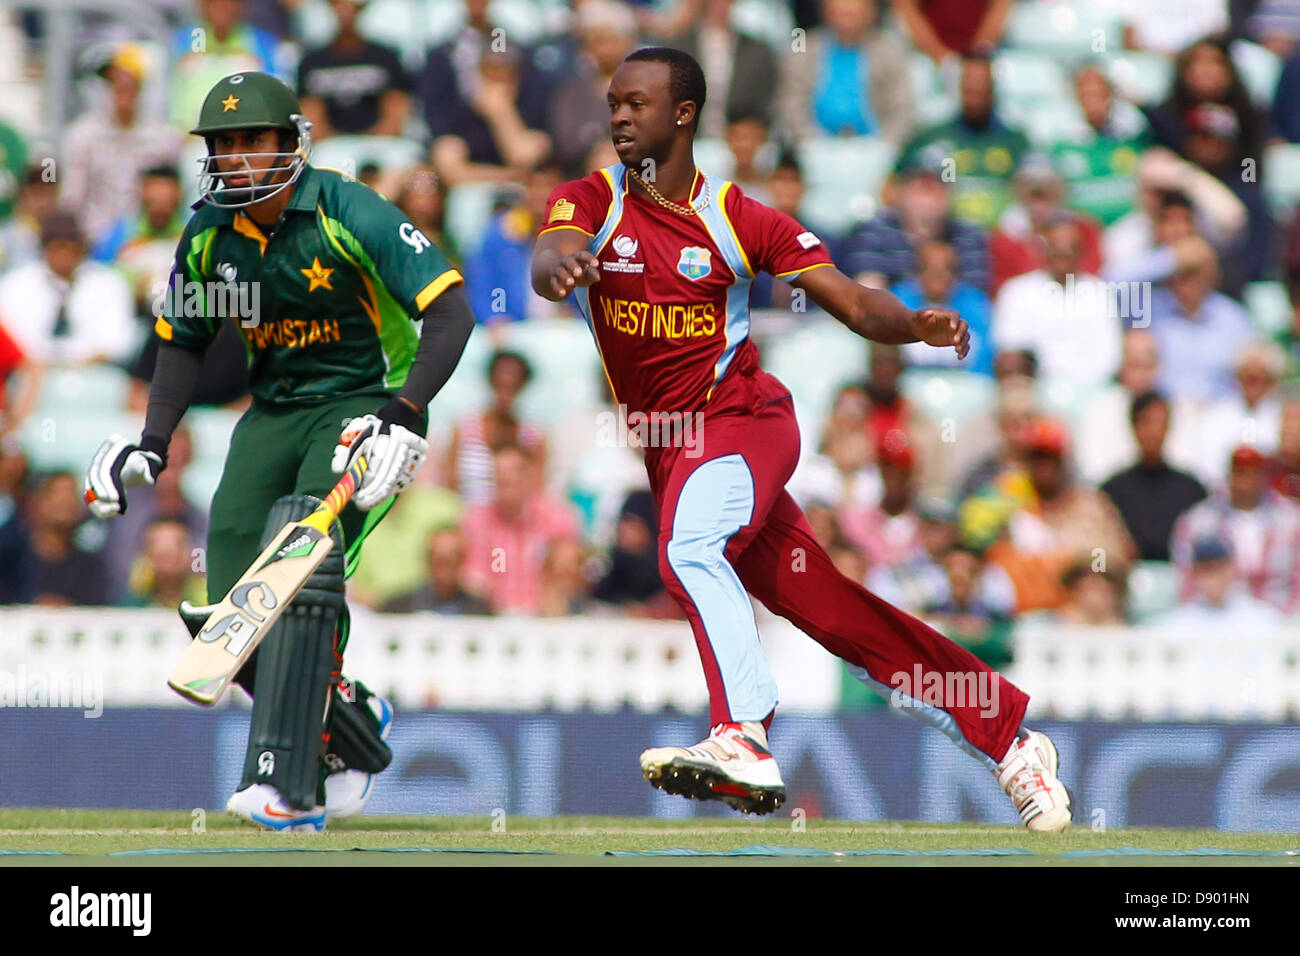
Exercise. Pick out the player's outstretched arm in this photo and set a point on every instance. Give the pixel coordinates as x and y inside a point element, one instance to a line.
<point>562,263</point>
<point>879,316</point>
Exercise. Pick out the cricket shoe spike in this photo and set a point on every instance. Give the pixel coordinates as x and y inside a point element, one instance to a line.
<point>732,765</point>
<point>1028,774</point>
<point>347,792</point>
<point>262,804</point>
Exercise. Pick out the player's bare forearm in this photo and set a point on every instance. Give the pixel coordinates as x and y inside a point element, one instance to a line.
<point>879,316</point>
<point>562,263</point>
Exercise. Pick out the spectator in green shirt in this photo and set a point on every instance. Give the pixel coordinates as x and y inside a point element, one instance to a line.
<point>13,165</point>
<point>1100,167</point>
<point>976,150</point>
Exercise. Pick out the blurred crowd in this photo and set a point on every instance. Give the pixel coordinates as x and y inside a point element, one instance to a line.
<point>1125,260</point>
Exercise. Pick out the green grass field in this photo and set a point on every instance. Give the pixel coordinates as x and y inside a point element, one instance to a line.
<point>118,837</point>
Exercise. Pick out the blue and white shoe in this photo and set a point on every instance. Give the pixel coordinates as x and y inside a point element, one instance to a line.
<point>346,792</point>
<point>262,804</point>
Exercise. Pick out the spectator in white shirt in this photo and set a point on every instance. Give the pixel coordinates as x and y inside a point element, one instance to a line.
<point>1218,597</point>
<point>1260,526</point>
<point>107,149</point>
<point>1066,316</point>
<point>64,308</point>
<point>1250,416</point>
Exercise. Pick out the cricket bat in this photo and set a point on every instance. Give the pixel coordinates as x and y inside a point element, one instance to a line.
<point>237,625</point>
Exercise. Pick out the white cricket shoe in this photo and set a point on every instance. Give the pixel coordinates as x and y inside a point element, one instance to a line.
<point>262,804</point>
<point>1028,774</point>
<point>347,791</point>
<point>732,765</point>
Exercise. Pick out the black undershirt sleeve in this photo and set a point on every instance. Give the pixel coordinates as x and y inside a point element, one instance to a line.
<point>448,322</point>
<point>175,381</point>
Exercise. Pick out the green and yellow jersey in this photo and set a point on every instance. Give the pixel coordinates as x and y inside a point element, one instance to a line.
<point>324,304</point>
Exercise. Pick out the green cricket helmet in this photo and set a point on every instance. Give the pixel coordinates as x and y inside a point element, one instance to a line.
<point>251,101</point>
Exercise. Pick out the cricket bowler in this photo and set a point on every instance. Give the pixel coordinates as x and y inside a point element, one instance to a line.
<point>660,258</point>
<point>326,280</point>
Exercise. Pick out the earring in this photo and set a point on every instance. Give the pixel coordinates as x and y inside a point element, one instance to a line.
<point>679,122</point>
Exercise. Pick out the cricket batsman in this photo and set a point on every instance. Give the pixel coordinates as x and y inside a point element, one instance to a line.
<point>660,258</point>
<point>337,278</point>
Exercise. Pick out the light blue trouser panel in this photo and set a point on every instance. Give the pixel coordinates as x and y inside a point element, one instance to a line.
<point>716,501</point>
<point>936,717</point>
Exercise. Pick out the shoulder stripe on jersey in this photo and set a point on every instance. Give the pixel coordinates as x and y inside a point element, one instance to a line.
<point>565,226</point>
<point>436,288</point>
<point>802,270</point>
<point>163,328</point>
<point>724,237</point>
<point>616,176</point>
<point>731,229</point>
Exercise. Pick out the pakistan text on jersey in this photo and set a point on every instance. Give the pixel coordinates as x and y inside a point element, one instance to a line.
<point>240,300</point>
<point>294,333</point>
<point>660,321</point>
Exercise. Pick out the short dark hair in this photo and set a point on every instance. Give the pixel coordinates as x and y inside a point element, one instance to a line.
<point>1175,199</point>
<point>162,172</point>
<point>505,355</point>
<point>685,77</point>
<point>789,159</point>
<point>1144,401</point>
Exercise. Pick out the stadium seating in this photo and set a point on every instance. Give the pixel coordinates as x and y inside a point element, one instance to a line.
<point>947,393</point>
<point>843,177</point>
<point>1140,76</point>
<point>210,431</point>
<point>348,154</point>
<point>1269,307</point>
<point>1029,76</point>
<point>1072,30</point>
<point>1152,589</point>
<point>1259,69</point>
<point>77,409</point>
<point>713,157</point>
<point>470,208</point>
<point>814,360</point>
<point>1281,178</point>
<point>935,99</point>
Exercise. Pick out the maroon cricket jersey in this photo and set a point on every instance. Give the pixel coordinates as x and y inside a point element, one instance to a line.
<point>670,313</point>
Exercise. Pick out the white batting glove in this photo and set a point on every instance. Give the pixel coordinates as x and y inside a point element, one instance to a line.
<point>118,464</point>
<point>393,452</point>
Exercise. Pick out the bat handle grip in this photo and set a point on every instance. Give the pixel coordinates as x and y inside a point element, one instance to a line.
<point>339,496</point>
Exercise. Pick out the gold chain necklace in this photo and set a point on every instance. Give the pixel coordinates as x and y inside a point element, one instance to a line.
<point>658,197</point>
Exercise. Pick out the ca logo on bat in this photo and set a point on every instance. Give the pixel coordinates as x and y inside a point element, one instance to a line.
<point>239,627</point>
